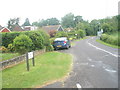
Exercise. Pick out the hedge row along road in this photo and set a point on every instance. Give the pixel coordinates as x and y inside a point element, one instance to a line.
<point>95,66</point>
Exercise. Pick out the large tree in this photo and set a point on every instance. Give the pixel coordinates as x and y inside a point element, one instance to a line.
<point>13,22</point>
<point>53,21</point>
<point>49,21</point>
<point>68,21</point>
<point>27,22</point>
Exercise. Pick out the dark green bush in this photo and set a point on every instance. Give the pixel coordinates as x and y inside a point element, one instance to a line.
<point>39,38</point>
<point>22,44</point>
<point>7,38</point>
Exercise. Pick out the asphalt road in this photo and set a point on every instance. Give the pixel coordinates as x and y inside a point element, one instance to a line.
<point>94,66</point>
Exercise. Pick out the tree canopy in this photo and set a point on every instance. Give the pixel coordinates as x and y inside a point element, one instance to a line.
<point>27,22</point>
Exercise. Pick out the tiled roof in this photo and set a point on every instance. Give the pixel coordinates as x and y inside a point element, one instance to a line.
<point>52,27</point>
<point>17,28</point>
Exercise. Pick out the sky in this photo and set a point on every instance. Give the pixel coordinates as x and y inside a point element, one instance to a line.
<point>43,9</point>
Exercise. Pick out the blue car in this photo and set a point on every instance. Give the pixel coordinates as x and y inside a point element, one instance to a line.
<point>62,42</point>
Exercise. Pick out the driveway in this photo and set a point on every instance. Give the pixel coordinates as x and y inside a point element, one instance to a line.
<point>95,66</point>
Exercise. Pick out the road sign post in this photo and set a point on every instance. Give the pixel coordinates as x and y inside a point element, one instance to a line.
<point>33,61</point>
<point>30,55</point>
<point>27,62</point>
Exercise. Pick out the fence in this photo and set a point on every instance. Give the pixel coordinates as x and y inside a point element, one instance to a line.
<point>17,60</point>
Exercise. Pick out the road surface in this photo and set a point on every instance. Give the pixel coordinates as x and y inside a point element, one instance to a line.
<point>94,66</point>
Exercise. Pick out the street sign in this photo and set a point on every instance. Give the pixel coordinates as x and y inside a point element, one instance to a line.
<point>30,55</point>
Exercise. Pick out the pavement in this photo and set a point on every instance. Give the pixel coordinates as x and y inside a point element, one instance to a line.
<point>94,66</point>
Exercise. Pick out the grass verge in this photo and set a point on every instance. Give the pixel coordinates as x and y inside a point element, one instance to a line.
<point>107,44</point>
<point>49,66</point>
<point>6,56</point>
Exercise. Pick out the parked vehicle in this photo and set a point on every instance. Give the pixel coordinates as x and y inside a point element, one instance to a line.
<point>62,42</point>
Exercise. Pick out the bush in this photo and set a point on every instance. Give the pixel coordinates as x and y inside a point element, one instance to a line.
<point>7,38</point>
<point>81,33</point>
<point>51,40</point>
<point>22,44</point>
<point>61,34</point>
<point>3,49</point>
<point>49,48</point>
<point>37,40</point>
<point>111,39</point>
<point>11,48</point>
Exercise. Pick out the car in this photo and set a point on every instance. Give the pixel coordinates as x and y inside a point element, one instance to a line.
<point>61,43</point>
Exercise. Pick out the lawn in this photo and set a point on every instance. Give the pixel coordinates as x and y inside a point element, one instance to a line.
<point>6,56</point>
<point>49,66</point>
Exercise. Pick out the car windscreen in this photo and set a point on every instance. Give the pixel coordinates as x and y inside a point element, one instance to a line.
<point>58,42</point>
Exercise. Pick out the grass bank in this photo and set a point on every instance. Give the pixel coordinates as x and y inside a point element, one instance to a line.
<point>6,56</point>
<point>112,38</point>
<point>107,44</point>
<point>49,66</point>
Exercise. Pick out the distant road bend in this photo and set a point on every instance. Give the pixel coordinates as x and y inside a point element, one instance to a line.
<point>95,66</point>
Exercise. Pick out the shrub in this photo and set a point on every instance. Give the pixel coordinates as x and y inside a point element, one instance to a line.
<point>51,40</point>
<point>7,38</point>
<point>61,34</point>
<point>11,48</point>
<point>37,40</point>
<point>3,49</point>
<point>111,39</point>
<point>81,33</point>
<point>49,48</point>
<point>22,44</point>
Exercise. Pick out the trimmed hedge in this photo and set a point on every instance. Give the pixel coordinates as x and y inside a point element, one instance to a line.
<point>39,38</point>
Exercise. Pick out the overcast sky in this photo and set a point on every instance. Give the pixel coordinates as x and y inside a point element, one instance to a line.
<point>43,9</point>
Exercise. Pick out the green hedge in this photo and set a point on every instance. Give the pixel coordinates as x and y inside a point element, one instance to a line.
<point>39,38</point>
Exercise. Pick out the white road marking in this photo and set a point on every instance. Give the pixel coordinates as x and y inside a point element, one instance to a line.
<point>102,49</point>
<point>78,85</point>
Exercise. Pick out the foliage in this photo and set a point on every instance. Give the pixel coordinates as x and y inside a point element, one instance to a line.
<point>7,38</point>
<point>80,33</point>
<point>49,48</point>
<point>27,22</point>
<point>12,22</point>
<point>111,39</point>
<point>39,38</point>
<point>49,21</point>
<point>22,44</point>
<point>3,49</point>
<point>68,20</point>
<point>11,47</point>
<point>61,34</point>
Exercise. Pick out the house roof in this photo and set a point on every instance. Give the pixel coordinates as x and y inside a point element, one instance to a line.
<point>17,28</point>
<point>4,29</point>
<point>51,27</point>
